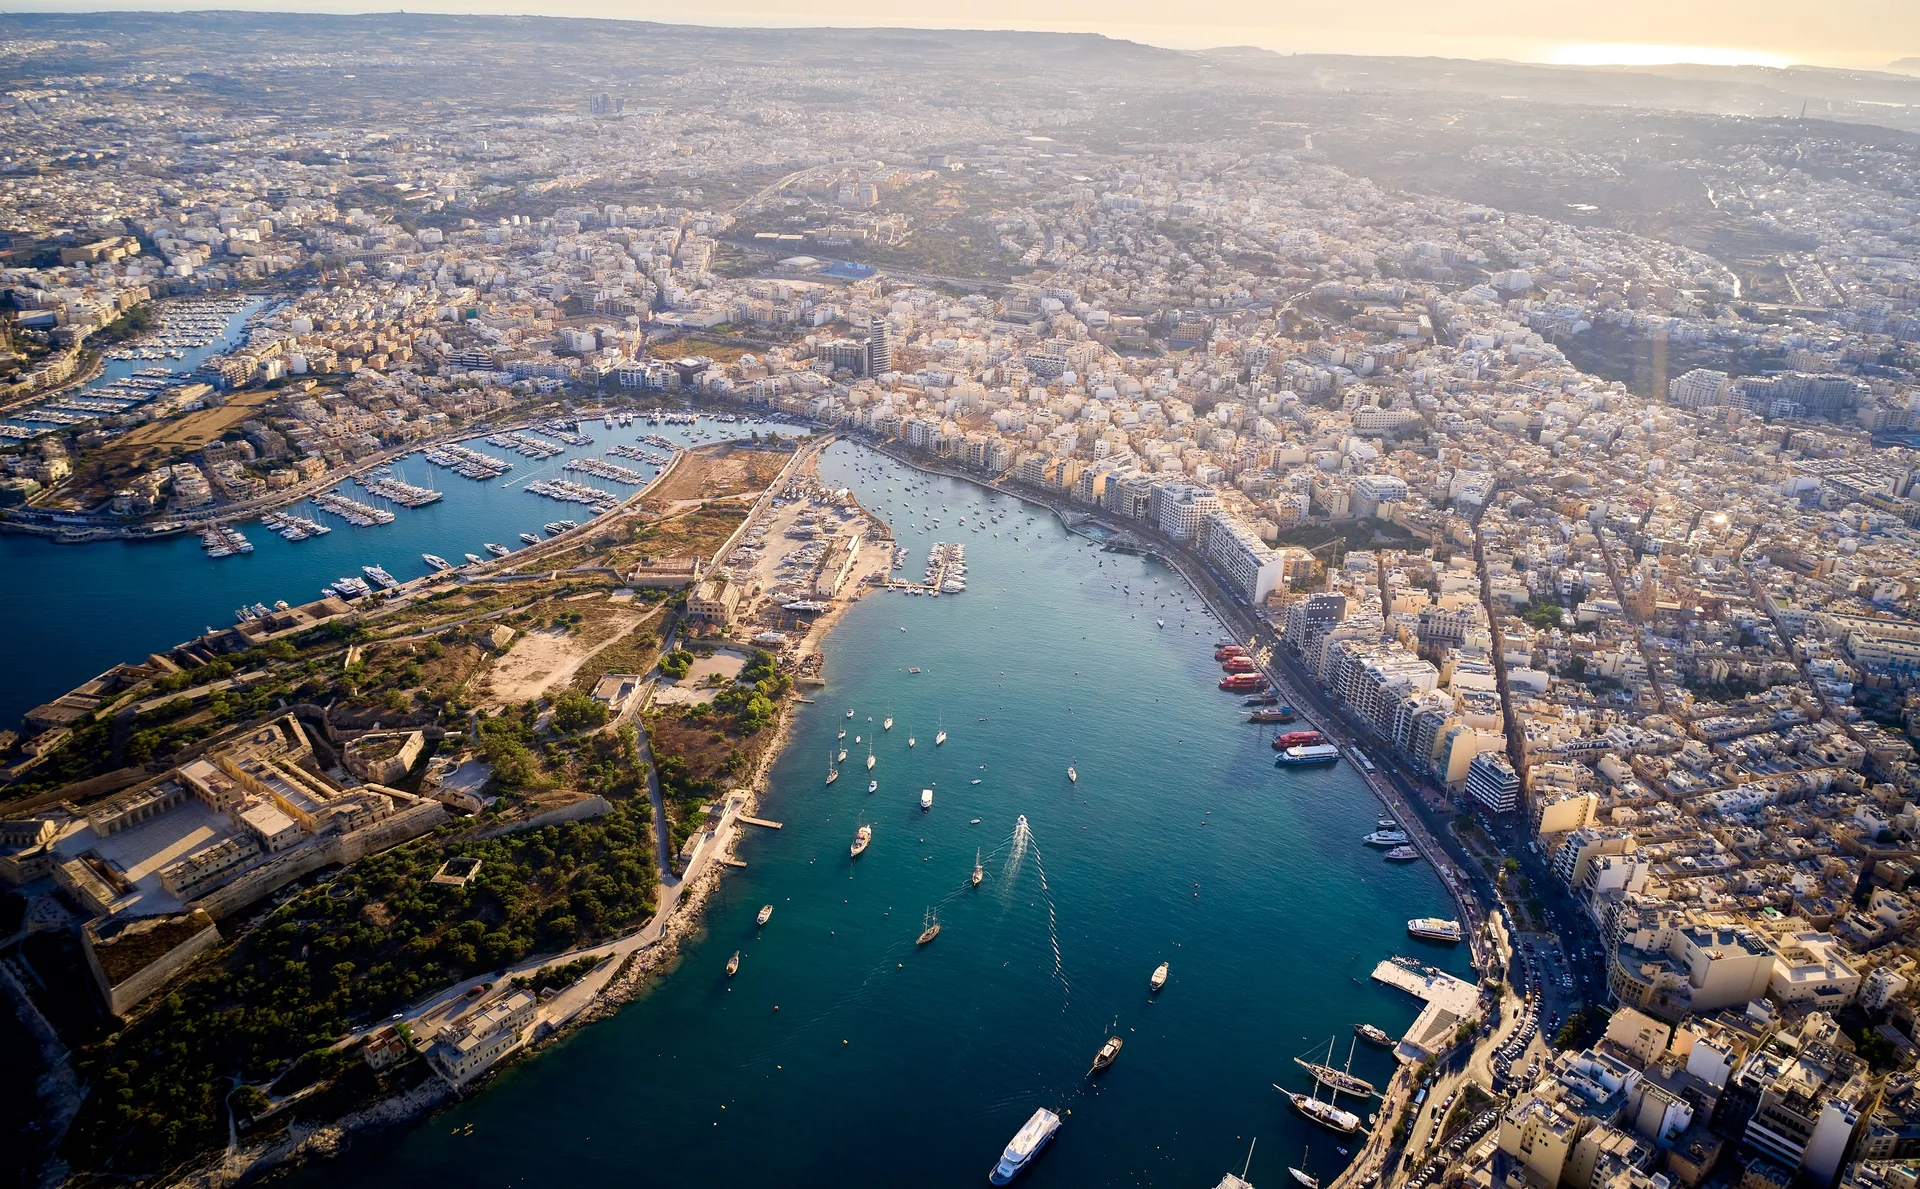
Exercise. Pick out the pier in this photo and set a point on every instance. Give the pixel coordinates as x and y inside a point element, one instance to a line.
<point>762,822</point>
<point>1450,1002</point>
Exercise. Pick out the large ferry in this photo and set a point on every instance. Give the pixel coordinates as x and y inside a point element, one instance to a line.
<point>1243,683</point>
<point>1316,753</point>
<point>1026,1144</point>
<point>1435,929</point>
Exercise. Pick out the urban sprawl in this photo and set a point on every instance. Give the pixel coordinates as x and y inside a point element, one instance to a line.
<point>1603,545</point>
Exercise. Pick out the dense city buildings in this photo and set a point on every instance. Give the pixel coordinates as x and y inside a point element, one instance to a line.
<point>1571,465</point>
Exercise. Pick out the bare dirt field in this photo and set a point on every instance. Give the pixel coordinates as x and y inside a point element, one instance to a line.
<point>546,659</point>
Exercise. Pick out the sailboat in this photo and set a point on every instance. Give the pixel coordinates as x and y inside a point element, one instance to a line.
<point>931,931</point>
<point>978,873</point>
<point>833,771</point>
<point>1302,1175</point>
<point>1240,1182</point>
<point>843,732</point>
<point>886,724</point>
<point>940,736</point>
<point>843,755</point>
<point>733,964</point>
<point>1337,1079</point>
<point>1073,774</point>
<point>873,786</point>
<point>1328,1114</point>
<point>911,741</point>
<point>849,714</point>
<point>869,757</point>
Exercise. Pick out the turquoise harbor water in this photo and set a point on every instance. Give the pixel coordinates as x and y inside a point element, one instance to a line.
<point>72,611</point>
<point>888,1064</point>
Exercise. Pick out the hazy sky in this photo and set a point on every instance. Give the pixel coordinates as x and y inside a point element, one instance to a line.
<point>1859,33</point>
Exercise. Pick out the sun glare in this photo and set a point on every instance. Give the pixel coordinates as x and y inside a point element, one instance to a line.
<point>1630,53</point>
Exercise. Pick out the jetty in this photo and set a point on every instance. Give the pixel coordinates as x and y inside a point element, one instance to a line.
<point>1450,1002</point>
<point>762,822</point>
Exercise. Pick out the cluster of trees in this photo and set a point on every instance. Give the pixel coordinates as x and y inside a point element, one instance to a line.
<point>750,700</point>
<point>506,743</point>
<point>575,711</point>
<point>676,663</point>
<point>379,936</point>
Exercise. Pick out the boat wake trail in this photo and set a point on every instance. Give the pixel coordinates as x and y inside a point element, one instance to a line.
<point>1023,845</point>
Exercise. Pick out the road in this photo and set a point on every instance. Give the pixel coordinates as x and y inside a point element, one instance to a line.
<point>429,1016</point>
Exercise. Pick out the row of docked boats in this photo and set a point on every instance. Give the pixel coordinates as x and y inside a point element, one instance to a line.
<point>221,541</point>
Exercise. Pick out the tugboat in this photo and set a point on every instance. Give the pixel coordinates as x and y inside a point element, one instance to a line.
<point>1105,1056</point>
<point>1159,978</point>
<point>861,837</point>
<point>733,964</point>
<point>766,914</point>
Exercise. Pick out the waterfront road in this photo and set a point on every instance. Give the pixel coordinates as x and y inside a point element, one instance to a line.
<point>428,1017</point>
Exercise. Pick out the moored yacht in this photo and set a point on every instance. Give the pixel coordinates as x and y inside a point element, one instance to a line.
<point>1159,978</point>
<point>861,838</point>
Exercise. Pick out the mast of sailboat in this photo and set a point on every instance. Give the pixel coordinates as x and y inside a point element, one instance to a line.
<point>1333,1092</point>
<point>1249,1163</point>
